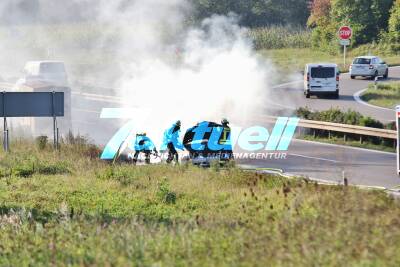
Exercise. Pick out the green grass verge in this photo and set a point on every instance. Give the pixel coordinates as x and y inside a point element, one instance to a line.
<point>69,208</point>
<point>295,59</point>
<point>340,141</point>
<point>387,95</point>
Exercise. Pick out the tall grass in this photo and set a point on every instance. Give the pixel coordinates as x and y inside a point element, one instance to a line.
<point>96,214</point>
<point>277,37</point>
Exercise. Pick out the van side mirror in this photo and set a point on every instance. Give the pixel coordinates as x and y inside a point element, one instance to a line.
<point>383,62</point>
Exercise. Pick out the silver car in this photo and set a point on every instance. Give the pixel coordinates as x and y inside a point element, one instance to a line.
<point>369,66</point>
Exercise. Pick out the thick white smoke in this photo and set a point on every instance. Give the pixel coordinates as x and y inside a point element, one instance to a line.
<point>151,51</point>
<point>192,73</point>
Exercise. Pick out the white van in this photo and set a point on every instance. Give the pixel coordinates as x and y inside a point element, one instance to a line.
<point>52,72</point>
<point>321,79</point>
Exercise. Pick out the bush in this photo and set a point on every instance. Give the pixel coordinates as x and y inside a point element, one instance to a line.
<point>53,169</point>
<point>337,116</point>
<point>41,142</point>
<point>165,194</point>
<point>24,170</point>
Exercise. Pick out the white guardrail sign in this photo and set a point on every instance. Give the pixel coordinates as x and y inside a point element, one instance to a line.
<point>398,138</point>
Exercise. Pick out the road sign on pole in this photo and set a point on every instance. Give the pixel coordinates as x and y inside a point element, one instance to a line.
<point>345,33</point>
<point>398,138</point>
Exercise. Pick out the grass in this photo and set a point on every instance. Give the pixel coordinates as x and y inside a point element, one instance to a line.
<point>387,95</point>
<point>340,141</point>
<point>90,213</point>
<point>295,59</point>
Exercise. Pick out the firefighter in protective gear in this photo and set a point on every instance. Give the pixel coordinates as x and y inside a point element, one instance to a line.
<point>225,139</point>
<point>171,139</point>
<point>143,144</point>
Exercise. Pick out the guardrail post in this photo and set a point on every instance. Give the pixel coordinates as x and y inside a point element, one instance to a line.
<point>361,139</point>
<point>345,180</point>
<point>398,138</point>
<point>345,137</point>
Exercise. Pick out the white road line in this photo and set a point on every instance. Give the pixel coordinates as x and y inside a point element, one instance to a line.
<point>86,110</point>
<point>286,84</point>
<point>357,97</point>
<point>316,158</point>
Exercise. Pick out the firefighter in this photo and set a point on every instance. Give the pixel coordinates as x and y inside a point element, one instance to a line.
<point>171,139</point>
<point>225,139</point>
<point>143,144</point>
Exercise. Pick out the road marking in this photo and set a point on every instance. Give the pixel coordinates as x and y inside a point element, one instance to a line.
<point>317,158</point>
<point>96,97</point>
<point>86,110</point>
<point>357,97</point>
<point>286,84</point>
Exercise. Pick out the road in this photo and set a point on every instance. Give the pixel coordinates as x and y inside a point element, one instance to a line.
<point>290,96</point>
<point>314,160</point>
<point>328,162</point>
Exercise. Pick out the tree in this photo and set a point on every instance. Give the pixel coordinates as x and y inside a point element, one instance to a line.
<point>368,19</point>
<point>394,23</point>
<point>256,13</point>
<point>320,10</point>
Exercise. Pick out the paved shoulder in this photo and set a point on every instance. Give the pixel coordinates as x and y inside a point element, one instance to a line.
<point>329,162</point>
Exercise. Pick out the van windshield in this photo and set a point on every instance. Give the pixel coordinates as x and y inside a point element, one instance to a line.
<point>52,68</point>
<point>323,72</point>
<point>362,61</point>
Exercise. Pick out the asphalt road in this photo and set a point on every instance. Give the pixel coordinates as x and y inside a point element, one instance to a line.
<point>314,160</point>
<point>290,96</point>
<point>329,162</point>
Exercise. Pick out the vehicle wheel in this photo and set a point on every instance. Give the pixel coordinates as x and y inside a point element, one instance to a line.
<point>308,95</point>
<point>352,77</point>
<point>386,74</point>
<point>336,95</point>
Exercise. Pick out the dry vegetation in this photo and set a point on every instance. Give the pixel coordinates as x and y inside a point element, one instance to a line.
<point>69,208</point>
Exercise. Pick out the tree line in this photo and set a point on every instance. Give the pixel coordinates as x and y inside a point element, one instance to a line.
<point>371,20</point>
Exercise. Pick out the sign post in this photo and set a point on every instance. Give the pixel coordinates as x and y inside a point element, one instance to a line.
<point>345,33</point>
<point>398,138</point>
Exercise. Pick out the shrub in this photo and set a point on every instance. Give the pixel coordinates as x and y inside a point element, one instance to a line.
<point>165,194</point>
<point>24,170</point>
<point>337,116</point>
<point>53,169</point>
<point>41,142</point>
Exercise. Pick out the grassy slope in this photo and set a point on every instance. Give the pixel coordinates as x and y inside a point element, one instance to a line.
<point>387,95</point>
<point>78,211</point>
<point>294,59</point>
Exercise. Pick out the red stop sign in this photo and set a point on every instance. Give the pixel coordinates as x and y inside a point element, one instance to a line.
<point>345,32</point>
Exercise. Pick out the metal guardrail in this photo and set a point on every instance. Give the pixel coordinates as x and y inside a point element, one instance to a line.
<point>346,128</point>
<point>342,128</point>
